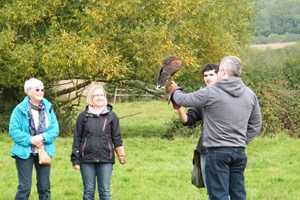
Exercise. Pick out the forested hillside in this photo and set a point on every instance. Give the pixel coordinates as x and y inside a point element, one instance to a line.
<point>277,21</point>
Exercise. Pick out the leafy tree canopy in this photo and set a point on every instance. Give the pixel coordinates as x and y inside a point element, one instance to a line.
<point>114,41</point>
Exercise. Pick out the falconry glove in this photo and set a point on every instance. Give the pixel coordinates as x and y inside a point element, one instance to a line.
<point>170,88</point>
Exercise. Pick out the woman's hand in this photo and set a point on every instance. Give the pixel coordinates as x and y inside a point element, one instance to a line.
<point>122,159</point>
<point>37,140</point>
<point>77,167</point>
<point>121,154</point>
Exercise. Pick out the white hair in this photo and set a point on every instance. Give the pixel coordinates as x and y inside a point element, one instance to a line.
<point>32,83</point>
<point>232,64</point>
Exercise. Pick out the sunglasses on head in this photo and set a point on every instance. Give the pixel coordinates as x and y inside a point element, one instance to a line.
<point>38,90</point>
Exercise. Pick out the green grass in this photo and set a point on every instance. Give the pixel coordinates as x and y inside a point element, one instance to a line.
<point>147,119</point>
<point>160,169</point>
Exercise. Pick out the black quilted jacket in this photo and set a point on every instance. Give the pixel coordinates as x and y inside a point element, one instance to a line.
<point>193,116</point>
<point>95,137</point>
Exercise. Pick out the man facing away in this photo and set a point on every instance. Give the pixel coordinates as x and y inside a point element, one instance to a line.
<point>232,118</point>
<point>210,76</point>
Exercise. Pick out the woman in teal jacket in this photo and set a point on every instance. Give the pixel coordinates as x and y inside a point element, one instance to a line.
<point>33,125</point>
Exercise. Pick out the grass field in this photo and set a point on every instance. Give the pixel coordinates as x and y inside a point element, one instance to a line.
<point>160,169</point>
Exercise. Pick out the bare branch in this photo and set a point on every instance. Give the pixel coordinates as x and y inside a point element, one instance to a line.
<point>138,85</point>
<point>129,115</point>
<point>72,89</point>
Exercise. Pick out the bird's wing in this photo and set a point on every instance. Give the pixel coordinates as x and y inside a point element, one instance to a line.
<point>162,77</point>
<point>173,67</point>
<point>169,67</point>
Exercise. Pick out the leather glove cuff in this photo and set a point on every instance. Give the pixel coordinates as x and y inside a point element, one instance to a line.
<point>171,87</point>
<point>175,105</point>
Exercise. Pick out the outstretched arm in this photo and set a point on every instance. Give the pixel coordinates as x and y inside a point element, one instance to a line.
<point>182,115</point>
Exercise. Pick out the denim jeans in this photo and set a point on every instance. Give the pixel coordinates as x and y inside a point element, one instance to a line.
<point>203,161</point>
<point>224,169</point>
<point>89,172</point>
<point>24,167</point>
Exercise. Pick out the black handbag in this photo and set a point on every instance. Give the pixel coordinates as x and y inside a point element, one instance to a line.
<point>196,178</point>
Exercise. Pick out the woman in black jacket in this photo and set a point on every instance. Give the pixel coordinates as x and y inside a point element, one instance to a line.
<point>96,137</point>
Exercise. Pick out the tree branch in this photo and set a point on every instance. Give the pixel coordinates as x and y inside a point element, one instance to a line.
<point>72,89</point>
<point>141,86</point>
<point>129,115</point>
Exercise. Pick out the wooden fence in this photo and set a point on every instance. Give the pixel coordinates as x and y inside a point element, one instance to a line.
<point>127,92</point>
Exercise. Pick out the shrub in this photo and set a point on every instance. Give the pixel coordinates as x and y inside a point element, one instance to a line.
<point>66,116</point>
<point>176,129</point>
<point>292,72</point>
<point>274,76</point>
<point>274,38</point>
<point>280,110</point>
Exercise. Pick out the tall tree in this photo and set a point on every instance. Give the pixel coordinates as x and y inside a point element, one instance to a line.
<point>112,40</point>
<point>277,17</point>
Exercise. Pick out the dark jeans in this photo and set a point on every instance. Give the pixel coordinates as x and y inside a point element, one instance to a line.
<point>24,167</point>
<point>224,170</point>
<point>89,172</point>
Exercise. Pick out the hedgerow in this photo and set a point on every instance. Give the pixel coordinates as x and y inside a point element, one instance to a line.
<point>274,77</point>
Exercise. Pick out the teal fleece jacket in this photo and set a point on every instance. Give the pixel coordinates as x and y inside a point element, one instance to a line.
<point>20,133</point>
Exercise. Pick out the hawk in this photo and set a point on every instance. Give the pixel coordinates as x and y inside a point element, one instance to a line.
<point>169,67</point>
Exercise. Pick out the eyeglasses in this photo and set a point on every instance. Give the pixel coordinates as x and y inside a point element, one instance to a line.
<point>98,95</point>
<point>38,90</point>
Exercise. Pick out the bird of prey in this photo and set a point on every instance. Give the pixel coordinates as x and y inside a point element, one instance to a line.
<point>169,67</point>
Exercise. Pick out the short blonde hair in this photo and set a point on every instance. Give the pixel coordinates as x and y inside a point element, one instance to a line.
<point>31,84</point>
<point>91,92</point>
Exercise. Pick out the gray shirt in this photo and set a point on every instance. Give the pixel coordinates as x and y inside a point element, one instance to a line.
<point>231,112</point>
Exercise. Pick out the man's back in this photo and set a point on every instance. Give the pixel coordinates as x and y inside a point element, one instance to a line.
<point>227,112</point>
